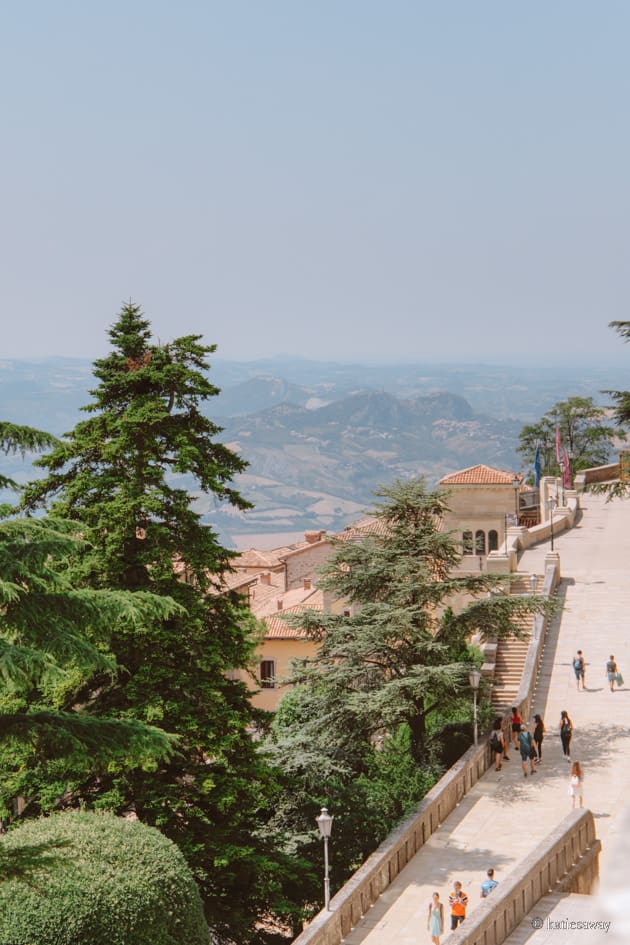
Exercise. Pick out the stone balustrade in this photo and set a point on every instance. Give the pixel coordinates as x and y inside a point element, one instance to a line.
<point>566,861</point>
<point>371,879</point>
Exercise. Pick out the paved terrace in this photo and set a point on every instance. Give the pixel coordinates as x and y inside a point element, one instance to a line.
<point>504,816</point>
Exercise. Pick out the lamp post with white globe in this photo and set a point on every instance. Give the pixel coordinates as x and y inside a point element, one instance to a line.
<point>324,822</point>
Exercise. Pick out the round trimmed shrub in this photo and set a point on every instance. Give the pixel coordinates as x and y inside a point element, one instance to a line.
<point>96,879</point>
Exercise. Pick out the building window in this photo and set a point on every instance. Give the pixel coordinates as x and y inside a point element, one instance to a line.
<point>268,674</point>
<point>493,540</point>
<point>480,542</point>
<point>467,543</point>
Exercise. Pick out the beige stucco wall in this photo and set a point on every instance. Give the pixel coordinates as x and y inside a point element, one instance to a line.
<point>474,508</point>
<point>282,652</point>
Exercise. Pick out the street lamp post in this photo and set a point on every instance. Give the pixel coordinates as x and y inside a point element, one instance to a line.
<point>474,678</point>
<point>324,822</point>
<point>551,502</point>
<point>515,484</point>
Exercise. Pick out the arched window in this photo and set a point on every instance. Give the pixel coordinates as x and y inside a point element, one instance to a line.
<point>493,540</point>
<point>467,543</point>
<point>480,543</point>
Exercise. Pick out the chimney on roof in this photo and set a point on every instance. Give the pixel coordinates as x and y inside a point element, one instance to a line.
<point>279,603</point>
<point>307,584</point>
<point>312,537</point>
<point>265,578</point>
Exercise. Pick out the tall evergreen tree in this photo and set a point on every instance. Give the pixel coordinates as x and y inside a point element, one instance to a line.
<point>403,653</point>
<point>53,639</point>
<point>120,473</point>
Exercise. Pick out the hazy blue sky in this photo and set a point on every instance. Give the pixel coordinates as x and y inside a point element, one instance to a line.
<point>349,179</point>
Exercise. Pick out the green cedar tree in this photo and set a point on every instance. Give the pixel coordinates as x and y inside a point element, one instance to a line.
<point>128,473</point>
<point>53,640</point>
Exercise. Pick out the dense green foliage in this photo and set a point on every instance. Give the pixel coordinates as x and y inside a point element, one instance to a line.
<point>119,473</point>
<point>53,640</point>
<point>620,488</point>
<point>19,439</point>
<point>583,433</point>
<point>358,732</point>
<point>96,879</point>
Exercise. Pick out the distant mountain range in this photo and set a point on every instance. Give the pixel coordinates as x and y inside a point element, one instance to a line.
<point>319,437</point>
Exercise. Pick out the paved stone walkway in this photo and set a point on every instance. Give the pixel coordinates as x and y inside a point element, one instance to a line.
<point>506,815</point>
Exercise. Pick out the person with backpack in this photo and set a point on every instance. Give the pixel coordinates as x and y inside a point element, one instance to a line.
<point>579,669</point>
<point>539,734</point>
<point>566,731</point>
<point>528,752</point>
<point>497,744</point>
<point>611,672</point>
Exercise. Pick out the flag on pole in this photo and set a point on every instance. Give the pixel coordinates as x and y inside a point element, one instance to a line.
<point>537,467</point>
<point>557,444</point>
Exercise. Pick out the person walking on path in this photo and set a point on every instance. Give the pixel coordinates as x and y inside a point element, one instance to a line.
<point>528,752</point>
<point>435,919</point>
<point>576,784</point>
<point>611,672</point>
<point>458,900</point>
<point>566,731</point>
<point>497,744</point>
<point>539,734</point>
<point>488,884</point>
<point>579,668</point>
<point>516,722</point>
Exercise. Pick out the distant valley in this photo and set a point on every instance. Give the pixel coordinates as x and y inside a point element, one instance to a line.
<point>319,437</point>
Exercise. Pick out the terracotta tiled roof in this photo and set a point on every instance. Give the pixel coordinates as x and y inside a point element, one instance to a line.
<point>297,597</point>
<point>252,558</point>
<point>278,628</point>
<point>370,525</point>
<point>480,476</point>
<point>231,581</point>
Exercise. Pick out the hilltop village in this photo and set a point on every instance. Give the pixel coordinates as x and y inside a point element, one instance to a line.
<point>486,507</point>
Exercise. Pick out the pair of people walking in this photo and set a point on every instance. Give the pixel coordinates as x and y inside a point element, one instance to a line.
<point>612,673</point>
<point>458,901</point>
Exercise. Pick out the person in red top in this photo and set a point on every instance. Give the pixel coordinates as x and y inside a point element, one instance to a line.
<point>458,900</point>
<point>516,721</point>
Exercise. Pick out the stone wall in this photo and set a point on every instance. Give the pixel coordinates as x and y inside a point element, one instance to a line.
<point>304,563</point>
<point>565,862</point>
<point>381,868</point>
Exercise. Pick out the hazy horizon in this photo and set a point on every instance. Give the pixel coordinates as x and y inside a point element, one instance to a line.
<point>415,182</point>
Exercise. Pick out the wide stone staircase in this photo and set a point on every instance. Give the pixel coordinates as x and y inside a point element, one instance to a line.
<point>510,654</point>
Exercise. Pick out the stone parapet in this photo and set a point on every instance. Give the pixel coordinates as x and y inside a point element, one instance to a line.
<point>363,889</point>
<point>565,862</point>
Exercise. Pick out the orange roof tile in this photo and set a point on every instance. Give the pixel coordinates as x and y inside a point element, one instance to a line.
<point>480,476</point>
<point>279,629</point>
